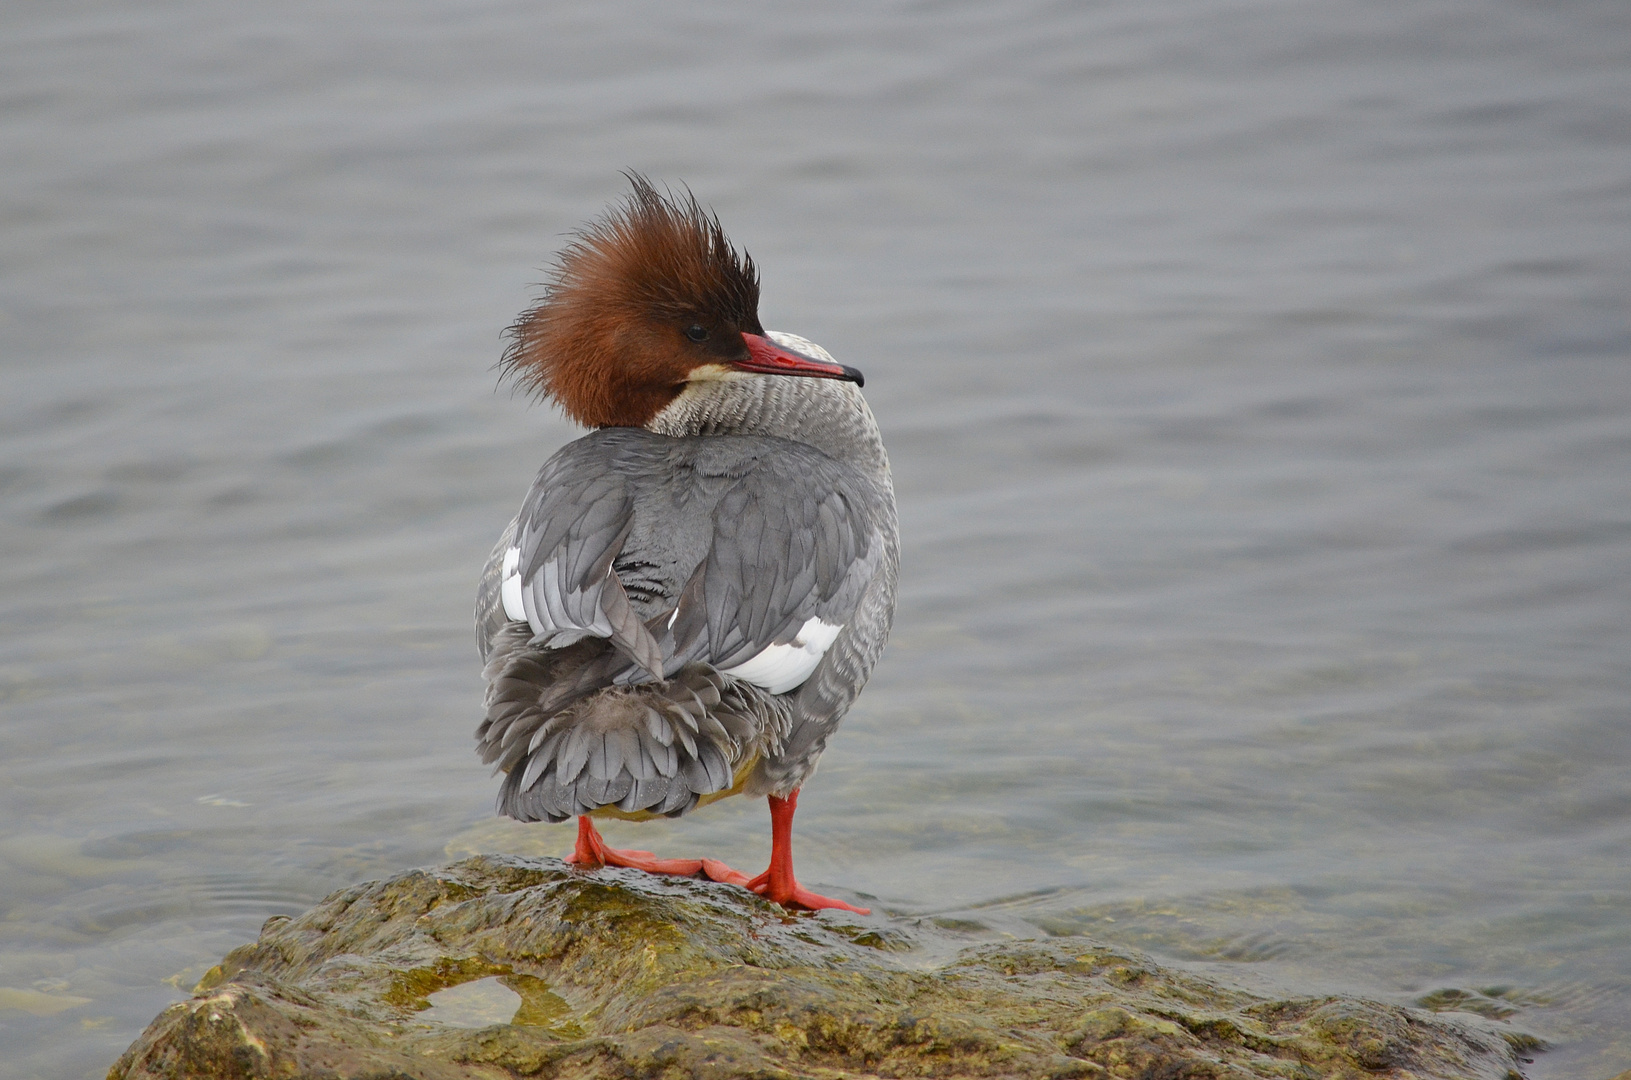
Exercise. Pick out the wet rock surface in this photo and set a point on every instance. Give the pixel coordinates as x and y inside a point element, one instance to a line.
<point>503,966</point>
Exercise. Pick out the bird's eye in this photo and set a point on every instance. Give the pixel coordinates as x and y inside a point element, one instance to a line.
<point>697,332</point>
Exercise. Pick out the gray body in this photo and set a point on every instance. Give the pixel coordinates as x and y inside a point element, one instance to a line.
<point>674,579</point>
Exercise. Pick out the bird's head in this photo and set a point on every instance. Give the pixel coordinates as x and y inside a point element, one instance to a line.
<point>647,300</point>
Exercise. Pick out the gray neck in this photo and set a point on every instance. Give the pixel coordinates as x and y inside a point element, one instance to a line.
<point>829,415</point>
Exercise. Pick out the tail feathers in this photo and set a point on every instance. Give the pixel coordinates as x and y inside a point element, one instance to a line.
<point>571,749</point>
<point>527,685</point>
<point>654,748</point>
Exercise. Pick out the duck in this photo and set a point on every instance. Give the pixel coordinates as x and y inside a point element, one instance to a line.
<point>693,594</point>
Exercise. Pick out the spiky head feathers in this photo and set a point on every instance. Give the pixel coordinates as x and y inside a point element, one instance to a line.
<point>639,300</point>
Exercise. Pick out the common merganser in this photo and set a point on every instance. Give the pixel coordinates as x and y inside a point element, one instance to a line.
<point>694,593</point>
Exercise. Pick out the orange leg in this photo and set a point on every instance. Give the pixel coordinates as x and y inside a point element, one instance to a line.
<point>777,882</point>
<point>592,853</point>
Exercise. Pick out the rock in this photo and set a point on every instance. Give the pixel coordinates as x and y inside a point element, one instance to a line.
<point>504,966</point>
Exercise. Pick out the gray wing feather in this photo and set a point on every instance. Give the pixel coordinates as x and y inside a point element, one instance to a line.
<point>776,561</point>
<point>687,557</point>
<point>490,615</point>
<point>570,530</point>
<point>785,534</point>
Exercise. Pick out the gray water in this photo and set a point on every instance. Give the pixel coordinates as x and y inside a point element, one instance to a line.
<point>1257,380</point>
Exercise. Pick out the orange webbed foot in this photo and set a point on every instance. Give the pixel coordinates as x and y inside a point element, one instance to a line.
<point>790,894</point>
<point>591,853</point>
<point>777,882</point>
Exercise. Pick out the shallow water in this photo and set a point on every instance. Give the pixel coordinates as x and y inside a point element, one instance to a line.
<point>1255,375</point>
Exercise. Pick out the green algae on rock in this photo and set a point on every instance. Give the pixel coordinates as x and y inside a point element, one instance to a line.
<point>621,974</point>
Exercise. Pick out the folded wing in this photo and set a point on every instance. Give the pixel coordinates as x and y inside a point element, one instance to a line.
<point>690,559</point>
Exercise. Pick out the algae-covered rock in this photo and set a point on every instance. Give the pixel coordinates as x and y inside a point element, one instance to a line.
<point>500,966</point>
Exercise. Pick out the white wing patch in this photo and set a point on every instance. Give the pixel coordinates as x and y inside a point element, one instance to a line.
<point>510,588</point>
<point>779,668</point>
<point>550,627</point>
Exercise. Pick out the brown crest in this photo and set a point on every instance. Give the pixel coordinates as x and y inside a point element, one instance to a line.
<point>608,341</point>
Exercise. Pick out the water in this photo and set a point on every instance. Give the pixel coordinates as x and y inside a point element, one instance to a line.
<point>1256,378</point>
